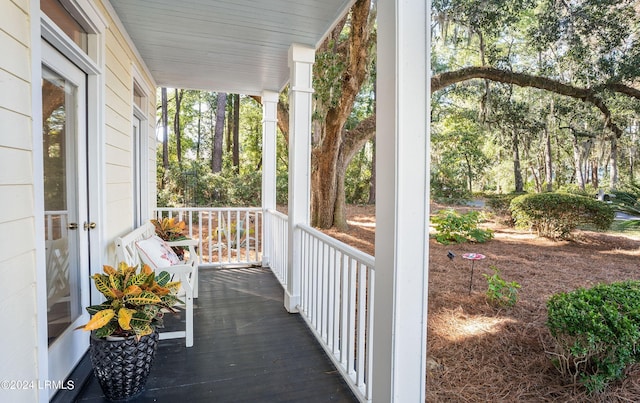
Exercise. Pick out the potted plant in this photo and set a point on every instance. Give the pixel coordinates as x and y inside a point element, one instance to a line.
<point>123,328</point>
<point>171,230</point>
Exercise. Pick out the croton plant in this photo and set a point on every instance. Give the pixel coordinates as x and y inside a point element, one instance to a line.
<point>135,301</point>
<point>170,229</point>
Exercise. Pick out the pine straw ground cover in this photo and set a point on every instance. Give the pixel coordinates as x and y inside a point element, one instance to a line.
<point>480,353</point>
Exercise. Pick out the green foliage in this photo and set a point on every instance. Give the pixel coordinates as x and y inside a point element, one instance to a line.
<point>457,151</point>
<point>358,176</point>
<point>134,301</point>
<point>573,189</point>
<point>500,203</point>
<point>555,215</point>
<point>448,188</point>
<point>499,291</point>
<point>597,332</point>
<point>452,227</point>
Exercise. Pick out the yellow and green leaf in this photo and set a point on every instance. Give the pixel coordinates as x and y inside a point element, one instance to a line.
<point>93,309</point>
<point>116,282</point>
<point>109,270</point>
<point>102,284</point>
<point>174,286</point>
<point>137,279</point>
<point>132,290</point>
<point>99,319</point>
<point>146,269</point>
<point>106,330</point>
<point>144,298</point>
<point>124,318</point>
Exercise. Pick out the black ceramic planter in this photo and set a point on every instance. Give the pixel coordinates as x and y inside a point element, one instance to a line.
<point>122,366</point>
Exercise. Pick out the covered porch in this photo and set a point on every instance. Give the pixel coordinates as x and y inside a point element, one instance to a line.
<point>367,317</point>
<point>247,348</point>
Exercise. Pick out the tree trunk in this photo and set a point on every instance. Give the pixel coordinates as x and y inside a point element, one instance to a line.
<point>577,163</point>
<point>517,174</point>
<point>548,164</point>
<point>216,157</point>
<point>199,127</point>
<point>594,174</point>
<point>633,150</point>
<point>236,132</point>
<point>469,173</point>
<point>165,135</point>
<point>536,179</point>
<point>614,163</point>
<point>176,125</point>
<point>230,122</point>
<point>332,153</point>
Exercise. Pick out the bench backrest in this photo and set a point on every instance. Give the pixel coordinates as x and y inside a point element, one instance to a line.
<point>126,250</point>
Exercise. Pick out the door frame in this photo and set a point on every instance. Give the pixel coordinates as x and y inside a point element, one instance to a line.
<point>93,64</point>
<point>68,349</point>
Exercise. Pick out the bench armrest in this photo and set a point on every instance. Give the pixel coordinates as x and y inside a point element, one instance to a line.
<point>183,242</point>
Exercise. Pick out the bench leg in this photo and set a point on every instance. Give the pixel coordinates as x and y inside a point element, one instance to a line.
<point>189,321</point>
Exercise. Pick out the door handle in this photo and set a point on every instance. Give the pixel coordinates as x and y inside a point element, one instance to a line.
<point>88,226</point>
<point>72,225</point>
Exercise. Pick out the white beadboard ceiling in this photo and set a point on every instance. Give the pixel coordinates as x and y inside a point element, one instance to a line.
<point>236,46</point>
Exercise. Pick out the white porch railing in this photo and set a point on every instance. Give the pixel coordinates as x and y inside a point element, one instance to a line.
<point>337,304</point>
<point>337,281</point>
<point>226,236</point>
<point>278,244</point>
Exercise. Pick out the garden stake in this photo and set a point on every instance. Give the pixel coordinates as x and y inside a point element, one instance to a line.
<point>473,257</point>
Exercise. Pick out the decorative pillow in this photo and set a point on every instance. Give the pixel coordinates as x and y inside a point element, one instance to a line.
<point>155,252</point>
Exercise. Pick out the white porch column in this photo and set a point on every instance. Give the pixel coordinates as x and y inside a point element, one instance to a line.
<point>301,60</point>
<point>402,201</point>
<point>269,133</point>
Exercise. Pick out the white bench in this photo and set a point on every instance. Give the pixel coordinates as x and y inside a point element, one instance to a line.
<point>186,272</point>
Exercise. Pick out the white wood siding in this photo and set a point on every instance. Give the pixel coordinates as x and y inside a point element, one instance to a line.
<point>17,229</point>
<point>119,58</point>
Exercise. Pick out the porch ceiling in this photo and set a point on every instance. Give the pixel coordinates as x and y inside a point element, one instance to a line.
<point>237,46</point>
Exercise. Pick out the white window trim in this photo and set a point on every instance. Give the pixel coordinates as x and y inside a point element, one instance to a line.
<point>142,113</point>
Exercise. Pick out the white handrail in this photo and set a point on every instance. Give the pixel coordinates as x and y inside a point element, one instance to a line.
<point>337,303</point>
<point>278,245</point>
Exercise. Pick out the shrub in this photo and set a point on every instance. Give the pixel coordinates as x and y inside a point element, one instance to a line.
<point>597,332</point>
<point>555,215</point>
<point>499,292</point>
<point>500,204</point>
<point>452,227</point>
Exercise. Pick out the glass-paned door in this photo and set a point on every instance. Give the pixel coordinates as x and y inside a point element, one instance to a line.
<point>66,209</point>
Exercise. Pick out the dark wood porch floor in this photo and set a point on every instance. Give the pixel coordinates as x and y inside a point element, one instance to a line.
<point>247,348</point>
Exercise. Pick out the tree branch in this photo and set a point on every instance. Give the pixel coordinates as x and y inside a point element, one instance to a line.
<point>592,96</point>
<point>355,138</point>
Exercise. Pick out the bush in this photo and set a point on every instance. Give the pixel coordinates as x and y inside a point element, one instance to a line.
<point>597,332</point>
<point>499,292</point>
<point>452,227</point>
<point>500,204</point>
<point>555,215</point>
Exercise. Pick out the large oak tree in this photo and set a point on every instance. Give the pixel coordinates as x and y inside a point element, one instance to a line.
<point>594,39</point>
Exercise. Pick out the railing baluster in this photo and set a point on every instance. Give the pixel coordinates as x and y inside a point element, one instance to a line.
<point>247,249</point>
<point>337,282</point>
<point>336,297</point>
